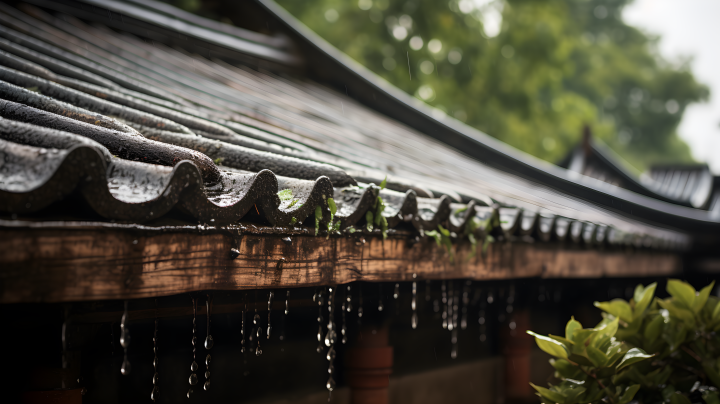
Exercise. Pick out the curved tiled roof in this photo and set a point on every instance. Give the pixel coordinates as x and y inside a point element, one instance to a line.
<point>138,128</point>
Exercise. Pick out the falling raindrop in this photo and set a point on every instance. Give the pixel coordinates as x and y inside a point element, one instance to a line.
<point>443,289</point>
<point>193,379</point>
<point>348,299</point>
<point>482,321</point>
<point>269,327</point>
<point>413,305</point>
<point>124,341</point>
<point>287,298</point>
<point>453,340</point>
<point>330,342</point>
<point>208,342</point>
<point>318,298</point>
<point>396,293</point>
<point>360,304</point>
<point>258,350</point>
<point>343,310</point>
<point>153,394</point>
<point>455,305</point>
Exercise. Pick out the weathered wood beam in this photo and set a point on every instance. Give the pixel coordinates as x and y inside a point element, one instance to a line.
<point>82,263</point>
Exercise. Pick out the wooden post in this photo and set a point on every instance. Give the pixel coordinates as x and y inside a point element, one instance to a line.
<point>516,348</point>
<point>369,365</point>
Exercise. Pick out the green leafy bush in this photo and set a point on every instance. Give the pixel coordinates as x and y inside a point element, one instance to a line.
<point>648,349</point>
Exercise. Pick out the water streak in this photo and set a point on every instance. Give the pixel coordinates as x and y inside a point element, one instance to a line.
<point>208,342</point>
<point>192,380</point>
<point>413,305</point>
<point>269,327</point>
<point>155,389</point>
<point>124,341</point>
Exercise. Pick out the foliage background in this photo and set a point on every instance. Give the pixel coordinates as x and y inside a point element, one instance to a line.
<point>528,72</point>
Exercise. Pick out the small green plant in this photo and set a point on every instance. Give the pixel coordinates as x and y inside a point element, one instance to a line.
<point>648,349</point>
<point>318,218</point>
<point>218,161</point>
<point>332,227</point>
<point>442,238</point>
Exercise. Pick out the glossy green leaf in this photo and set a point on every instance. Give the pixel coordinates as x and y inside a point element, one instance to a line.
<point>618,308</point>
<point>551,395</point>
<point>716,312</point>
<point>565,369</point>
<point>604,332</point>
<point>702,298</point>
<point>332,206</point>
<point>551,346</point>
<point>383,184</point>
<point>643,297</point>
<point>564,340</point>
<point>682,291</point>
<point>369,220</point>
<point>654,328</point>
<point>570,328</point>
<point>682,314</point>
<point>633,356</point>
<point>597,357</point>
<point>629,394</point>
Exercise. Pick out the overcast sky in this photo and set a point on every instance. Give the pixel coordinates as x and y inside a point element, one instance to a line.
<point>690,28</point>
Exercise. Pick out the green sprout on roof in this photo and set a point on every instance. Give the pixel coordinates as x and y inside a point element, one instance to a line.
<point>442,238</point>
<point>293,221</point>
<point>332,226</point>
<point>285,195</point>
<point>318,218</point>
<point>218,161</point>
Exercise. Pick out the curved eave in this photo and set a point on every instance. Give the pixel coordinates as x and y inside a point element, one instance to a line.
<point>328,63</point>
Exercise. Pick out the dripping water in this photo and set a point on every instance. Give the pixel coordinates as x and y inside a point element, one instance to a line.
<point>455,306</point>
<point>208,342</point>
<point>125,341</point>
<point>330,342</point>
<point>413,305</point>
<point>443,289</point>
<point>318,298</point>
<point>155,389</point>
<point>465,302</point>
<point>360,304</point>
<point>192,380</point>
<point>380,299</point>
<point>269,327</point>
<point>343,311</point>
<point>482,320</point>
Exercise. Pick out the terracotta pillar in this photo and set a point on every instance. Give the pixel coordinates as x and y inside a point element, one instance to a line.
<point>516,348</point>
<point>368,367</point>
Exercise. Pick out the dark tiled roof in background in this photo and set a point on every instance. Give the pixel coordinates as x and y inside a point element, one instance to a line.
<point>136,127</point>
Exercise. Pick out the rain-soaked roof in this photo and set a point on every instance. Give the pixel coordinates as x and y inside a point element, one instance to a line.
<point>141,109</point>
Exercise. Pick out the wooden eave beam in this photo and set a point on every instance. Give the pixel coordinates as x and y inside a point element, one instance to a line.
<point>96,262</point>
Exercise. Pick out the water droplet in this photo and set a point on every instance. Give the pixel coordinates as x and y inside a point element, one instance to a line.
<point>154,392</point>
<point>206,385</point>
<point>83,391</point>
<point>414,320</point>
<point>453,352</point>
<point>189,392</point>
<point>330,354</point>
<point>256,318</point>
<point>125,368</point>
<point>207,360</point>
<point>124,337</point>
<point>330,385</point>
<point>234,253</point>
<point>155,378</point>
<point>194,340</point>
<point>396,293</point>
<point>193,379</point>
<point>209,342</point>
<point>193,366</point>
<point>258,351</point>
<point>155,361</point>
<point>207,374</point>
<point>380,306</point>
<point>320,333</point>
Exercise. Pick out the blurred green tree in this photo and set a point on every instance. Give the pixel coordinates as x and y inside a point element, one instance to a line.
<point>528,72</point>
